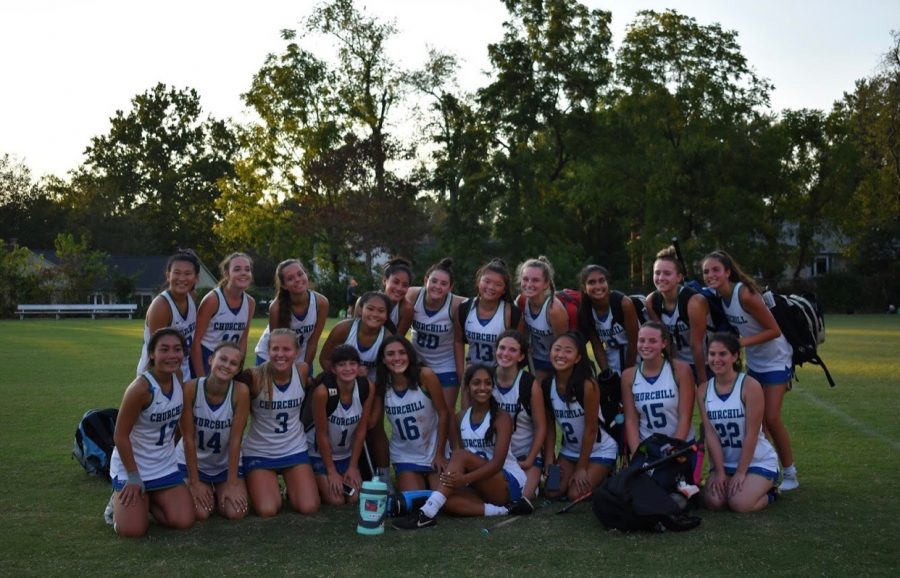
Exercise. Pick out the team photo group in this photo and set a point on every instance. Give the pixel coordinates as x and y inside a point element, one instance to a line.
<point>555,390</point>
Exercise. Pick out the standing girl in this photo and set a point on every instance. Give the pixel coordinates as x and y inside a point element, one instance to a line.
<point>143,468</point>
<point>483,318</point>
<point>276,443</point>
<point>483,475</point>
<point>212,425</point>
<point>396,280</point>
<point>544,316</point>
<point>608,319</point>
<point>682,310</point>
<point>225,312</point>
<point>519,395</point>
<point>743,463</point>
<point>296,307</point>
<point>341,404</point>
<point>174,307</point>
<point>435,311</point>
<point>586,456</point>
<point>413,403</point>
<point>769,355</point>
<point>657,394</point>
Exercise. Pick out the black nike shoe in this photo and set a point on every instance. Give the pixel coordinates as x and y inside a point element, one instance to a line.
<point>521,507</point>
<point>415,521</point>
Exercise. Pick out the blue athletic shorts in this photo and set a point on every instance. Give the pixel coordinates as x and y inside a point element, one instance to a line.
<point>401,468</point>
<point>319,468</point>
<point>260,463</point>
<point>219,478</point>
<point>513,487</point>
<point>772,377</point>
<point>448,379</point>
<point>538,461</point>
<point>767,474</point>
<point>608,462</point>
<point>172,480</point>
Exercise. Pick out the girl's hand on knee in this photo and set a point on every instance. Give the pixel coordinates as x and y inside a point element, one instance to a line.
<point>736,484</point>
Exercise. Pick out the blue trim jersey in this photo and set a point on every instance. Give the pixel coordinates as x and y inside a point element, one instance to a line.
<point>679,329</point>
<point>368,356</point>
<point>432,335</point>
<point>539,330</point>
<point>212,431</point>
<point>275,430</point>
<point>727,416</point>
<point>473,440</point>
<point>614,338</point>
<point>523,426</point>
<point>394,315</point>
<point>414,424</point>
<point>153,434</point>
<point>342,426</point>
<point>656,400</point>
<point>774,355</point>
<point>481,334</point>
<point>303,326</point>
<point>226,324</point>
<point>185,323</point>
<point>570,417</point>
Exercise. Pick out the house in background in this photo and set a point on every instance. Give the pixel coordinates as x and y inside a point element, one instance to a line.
<point>148,270</point>
<point>828,257</point>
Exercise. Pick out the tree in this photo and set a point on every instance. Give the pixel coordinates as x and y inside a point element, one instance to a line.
<point>18,278</point>
<point>29,212</point>
<point>80,270</point>
<point>153,176</point>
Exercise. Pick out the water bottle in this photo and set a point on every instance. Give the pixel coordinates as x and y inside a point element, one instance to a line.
<point>372,507</point>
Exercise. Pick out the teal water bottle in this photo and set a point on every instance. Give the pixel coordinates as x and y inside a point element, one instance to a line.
<point>372,507</point>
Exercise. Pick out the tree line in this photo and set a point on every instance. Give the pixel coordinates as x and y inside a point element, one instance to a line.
<point>570,149</point>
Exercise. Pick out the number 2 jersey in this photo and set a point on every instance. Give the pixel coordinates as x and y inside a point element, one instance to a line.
<point>414,426</point>
<point>727,416</point>
<point>473,440</point>
<point>152,437</point>
<point>275,428</point>
<point>212,431</point>
<point>570,417</point>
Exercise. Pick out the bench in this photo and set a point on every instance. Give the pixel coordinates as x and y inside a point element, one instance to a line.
<point>86,309</point>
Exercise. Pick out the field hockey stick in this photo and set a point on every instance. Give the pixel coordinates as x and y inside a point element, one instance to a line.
<point>369,459</point>
<point>575,502</point>
<point>678,254</point>
<point>487,530</point>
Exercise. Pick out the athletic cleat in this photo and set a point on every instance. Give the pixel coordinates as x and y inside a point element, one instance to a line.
<point>415,521</point>
<point>108,511</point>
<point>789,482</point>
<point>521,507</point>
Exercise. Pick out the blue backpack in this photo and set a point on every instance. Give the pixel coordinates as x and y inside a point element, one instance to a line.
<point>94,442</point>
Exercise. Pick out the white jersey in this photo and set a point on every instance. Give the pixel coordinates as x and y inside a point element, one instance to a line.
<point>679,329</point>
<point>212,431</point>
<point>523,428</point>
<point>275,430</point>
<point>539,330</point>
<point>153,434</point>
<point>341,428</point>
<point>570,417</point>
<point>394,315</point>
<point>302,325</point>
<point>656,401</point>
<point>727,416</point>
<point>614,338</point>
<point>185,323</point>
<point>473,440</point>
<point>368,356</point>
<point>481,334</point>
<point>774,355</point>
<point>432,335</point>
<point>414,425</point>
<point>227,324</point>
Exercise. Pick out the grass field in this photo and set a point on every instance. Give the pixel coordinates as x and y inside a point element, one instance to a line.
<point>844,519</point>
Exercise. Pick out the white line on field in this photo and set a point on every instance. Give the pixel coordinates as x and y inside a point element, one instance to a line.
<point>848,419</point>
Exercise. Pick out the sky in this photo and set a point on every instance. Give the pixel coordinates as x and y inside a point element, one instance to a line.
<point>68,65</point>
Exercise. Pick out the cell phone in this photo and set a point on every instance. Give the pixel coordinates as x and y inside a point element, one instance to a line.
<point>553,478</point>
<point>349,490</point>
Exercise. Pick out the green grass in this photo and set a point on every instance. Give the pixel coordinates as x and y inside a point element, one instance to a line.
<point>843,519</point>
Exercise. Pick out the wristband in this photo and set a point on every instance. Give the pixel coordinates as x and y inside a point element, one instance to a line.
<point>134,478</point>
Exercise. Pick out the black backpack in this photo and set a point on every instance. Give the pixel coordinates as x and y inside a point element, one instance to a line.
<point>802,322</point>
<point>94,440</point>
<point>638,497</point>
<point>334,396</point>
<point>717,321</point>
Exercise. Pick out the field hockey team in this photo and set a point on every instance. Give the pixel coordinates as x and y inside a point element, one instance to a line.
<point>197,433</point>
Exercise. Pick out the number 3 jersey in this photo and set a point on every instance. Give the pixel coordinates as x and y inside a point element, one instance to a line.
<point>212,431</point>
<point>152,437</point>
<point>414,424</point>
<point>275,428</point>
<point>728,416</point>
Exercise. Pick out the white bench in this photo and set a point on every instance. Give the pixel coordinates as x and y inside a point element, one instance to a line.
<point>86,309</point>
